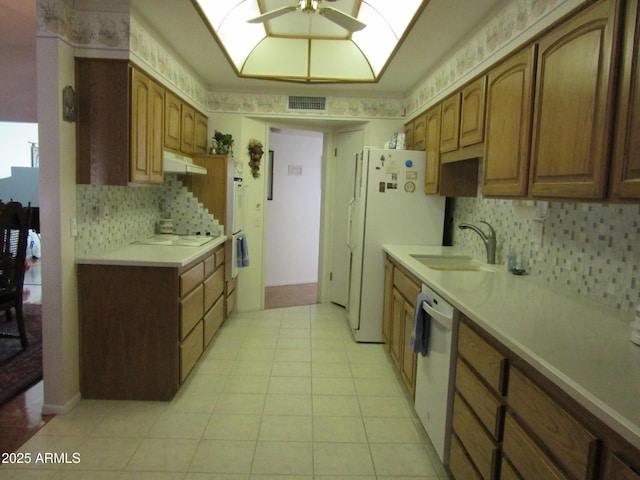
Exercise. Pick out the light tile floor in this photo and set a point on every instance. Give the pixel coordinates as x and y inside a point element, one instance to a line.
<point>279,394</point>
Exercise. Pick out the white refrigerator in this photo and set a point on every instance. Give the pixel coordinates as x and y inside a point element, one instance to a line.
<point>388,206</point>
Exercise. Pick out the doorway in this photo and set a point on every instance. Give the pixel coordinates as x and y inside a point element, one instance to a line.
<point>293,217</point>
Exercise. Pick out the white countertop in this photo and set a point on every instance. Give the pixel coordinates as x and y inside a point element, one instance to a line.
<point>151,255</point>
<point>579,344</point>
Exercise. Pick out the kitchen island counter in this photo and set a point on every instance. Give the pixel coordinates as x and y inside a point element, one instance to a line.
<point>135,254</point>
<point>581,345</point>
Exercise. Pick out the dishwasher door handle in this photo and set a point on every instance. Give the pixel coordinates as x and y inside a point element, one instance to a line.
<point>445,320</point>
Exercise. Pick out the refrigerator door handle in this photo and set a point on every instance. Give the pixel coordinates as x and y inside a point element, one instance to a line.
<point>349,220</point>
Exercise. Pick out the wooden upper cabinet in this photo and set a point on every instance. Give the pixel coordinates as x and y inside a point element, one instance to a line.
<point>188,126</point>
<point>432,150</point>
<point>201,134</point>
<point>408,135</point>
<point>147,115</point>
<point>625,178</point>
<point>172,121</point>
<point>472,112</point>
<point>508,126</point>
<point>450,124</point>
<point>120,124</point>
<point>419,132</point>
<point>574,104</point>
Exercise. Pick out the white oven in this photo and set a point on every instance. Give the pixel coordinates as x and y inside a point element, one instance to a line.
<point>236,223</point>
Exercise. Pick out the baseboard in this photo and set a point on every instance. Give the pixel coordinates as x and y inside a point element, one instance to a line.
<point>50,409</point>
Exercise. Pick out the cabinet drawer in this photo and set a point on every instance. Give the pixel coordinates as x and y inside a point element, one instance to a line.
<point>480,446</point>
<point>486,406</point>
<point>507,471</point>
<point>231,302</point>
<point>209,265</point>
<point>571,444</point>
<point>190,351</point>
<point>459,463</point>
<point>525,455</point>
<point>212,320</point>
<point>219,254</point>
<point>191,278</point>
<point>213,288</point>
<point>405,285</point>
<point>231,285</point>
<point>486,360</point>
<point>618,470</point>
<point>191,310</point>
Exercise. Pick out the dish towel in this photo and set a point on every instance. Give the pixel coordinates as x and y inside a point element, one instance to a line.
<point>419,341</point>
<point>242,251</point>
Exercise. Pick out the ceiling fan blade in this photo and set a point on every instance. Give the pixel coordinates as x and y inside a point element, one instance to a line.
<point>272,14</point>
<point>345,21</point>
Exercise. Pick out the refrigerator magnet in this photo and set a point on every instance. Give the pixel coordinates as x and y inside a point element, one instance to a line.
<point>412,175</point>
<point>409,187</point>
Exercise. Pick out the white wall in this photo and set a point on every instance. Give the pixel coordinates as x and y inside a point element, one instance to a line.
<point>293,216</point>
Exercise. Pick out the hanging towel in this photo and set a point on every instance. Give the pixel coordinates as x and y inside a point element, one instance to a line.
<point>419,341</point>
<point>242,251</point>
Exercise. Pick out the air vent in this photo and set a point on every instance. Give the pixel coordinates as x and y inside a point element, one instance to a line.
<point>307,103</point>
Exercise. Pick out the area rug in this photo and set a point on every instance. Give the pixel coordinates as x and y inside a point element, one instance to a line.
<point>19,369</point>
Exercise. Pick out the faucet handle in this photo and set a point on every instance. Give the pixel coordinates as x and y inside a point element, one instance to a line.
<point>492,232</point>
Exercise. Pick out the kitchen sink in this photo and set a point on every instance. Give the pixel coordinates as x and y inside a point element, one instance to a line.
<point>455,263</point>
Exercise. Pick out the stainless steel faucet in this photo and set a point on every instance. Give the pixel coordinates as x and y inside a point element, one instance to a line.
<point>488,240</point>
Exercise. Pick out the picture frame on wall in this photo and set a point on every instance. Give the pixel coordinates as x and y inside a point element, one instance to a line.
<point>270,176</point>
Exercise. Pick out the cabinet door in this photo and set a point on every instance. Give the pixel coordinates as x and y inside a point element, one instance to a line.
<point>419,132</point>
<point>409,358</point>
<point>156,129</point>
<point>396,328</point>
<point>408,135</point>
<point>140,114</point>
<point>187,132</point>
<point>388,303</point>
<point>432,149</point>
<point>508,126</point>
<point>172,121</point>
<point>619,470</point>
<point>472,114</point>
<point>626,154</point>
<point>201,133</point>
<point>450,132</point>
<point>574,104</point>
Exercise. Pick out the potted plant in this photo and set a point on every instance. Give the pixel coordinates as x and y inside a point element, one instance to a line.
<point>222,143</point>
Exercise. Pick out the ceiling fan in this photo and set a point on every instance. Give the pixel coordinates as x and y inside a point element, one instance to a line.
<point>315,6</point>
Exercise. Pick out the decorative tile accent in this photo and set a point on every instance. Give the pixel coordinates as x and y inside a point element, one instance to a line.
<point>588,248</point>
<point>133,213</point>
<point>188,214</point>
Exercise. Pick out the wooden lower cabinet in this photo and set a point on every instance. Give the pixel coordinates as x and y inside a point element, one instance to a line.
<point>401,290</point>
<point>460,464</point>
<point>526,456</point>
<point>142,329</point>
<point>512,423</point>
<point>481,447</point>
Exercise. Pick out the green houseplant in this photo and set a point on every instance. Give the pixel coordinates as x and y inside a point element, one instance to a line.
<point>222,143</point>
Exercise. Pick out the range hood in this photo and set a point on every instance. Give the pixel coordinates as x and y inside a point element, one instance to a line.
<point>176,163</point>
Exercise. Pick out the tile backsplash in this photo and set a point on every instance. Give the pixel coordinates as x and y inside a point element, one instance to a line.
<point>592,249</point>
<point>133,213</point>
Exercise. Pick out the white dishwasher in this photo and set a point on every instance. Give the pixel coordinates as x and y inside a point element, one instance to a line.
<point>435,373</point>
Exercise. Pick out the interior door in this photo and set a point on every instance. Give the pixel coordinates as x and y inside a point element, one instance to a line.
<point>347,145</point>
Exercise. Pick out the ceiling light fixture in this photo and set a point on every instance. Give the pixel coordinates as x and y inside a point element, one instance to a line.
<point>352,42</point>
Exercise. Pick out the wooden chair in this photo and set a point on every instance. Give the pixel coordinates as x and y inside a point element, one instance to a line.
<point>14,229</point>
